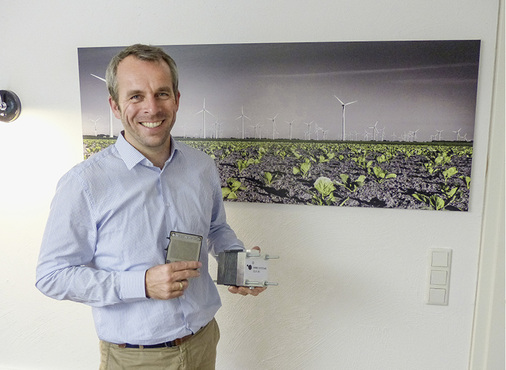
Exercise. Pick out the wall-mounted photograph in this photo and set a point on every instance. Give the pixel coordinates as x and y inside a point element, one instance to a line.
<point>384,124</point>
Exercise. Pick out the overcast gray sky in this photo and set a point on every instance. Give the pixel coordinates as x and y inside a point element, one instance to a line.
<point>408,86</point>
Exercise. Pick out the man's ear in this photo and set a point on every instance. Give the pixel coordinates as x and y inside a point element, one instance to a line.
<point>115,108</point>
<point>178,97</point>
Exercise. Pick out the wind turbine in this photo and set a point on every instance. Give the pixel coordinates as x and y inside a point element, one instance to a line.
<point>184,129</point>
<point>374,130</point>
<point>411,135</point>
<point>414,134</point>
<point>243,116</point>
<point>367,135</point>
<point>273,119</point>
<point>308,132</point>
<point>290,123</point>
<point>258,131</point>
<point>204,111</point>
<point>217,128</point>
<point>343,119</point>
<point>318,129</point>
<point>95,124</point>
<point>111,134</point>
<point>439,132</point>
<point>254,130</point>
<point>458,133</point>
<point>382,133</point>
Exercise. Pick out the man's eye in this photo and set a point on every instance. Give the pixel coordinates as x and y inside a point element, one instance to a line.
<point>135,97</point>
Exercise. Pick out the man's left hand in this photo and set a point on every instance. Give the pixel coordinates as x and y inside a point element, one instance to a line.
<point>244,290</point>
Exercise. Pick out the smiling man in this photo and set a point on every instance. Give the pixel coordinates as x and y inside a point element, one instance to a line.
<point>106,235</point>
<point>148,103</point>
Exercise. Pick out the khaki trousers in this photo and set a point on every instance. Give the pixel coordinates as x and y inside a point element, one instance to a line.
<point>198,352</point>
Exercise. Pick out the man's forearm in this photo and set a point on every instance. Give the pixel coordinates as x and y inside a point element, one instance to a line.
<point>93,287</point>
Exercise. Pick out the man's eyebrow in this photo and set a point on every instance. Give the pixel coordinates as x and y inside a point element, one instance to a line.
<point>133,92</point>
<point>140,92</point>
<point>165,88</point>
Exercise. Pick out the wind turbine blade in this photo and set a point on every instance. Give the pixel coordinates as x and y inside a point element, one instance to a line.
<point>340,101</point>
<point>100,78</point>
<point>351,102</point>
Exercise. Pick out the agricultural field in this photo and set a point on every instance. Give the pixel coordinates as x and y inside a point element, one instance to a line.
<point>433,176</point>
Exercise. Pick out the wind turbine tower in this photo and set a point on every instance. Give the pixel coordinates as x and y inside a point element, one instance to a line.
<point>343,119</point>
<point>111,133</point>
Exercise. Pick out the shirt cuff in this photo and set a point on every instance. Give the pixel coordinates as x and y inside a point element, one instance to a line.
<point>132,285</point>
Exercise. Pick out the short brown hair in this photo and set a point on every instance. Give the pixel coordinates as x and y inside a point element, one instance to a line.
<point>142,52</point>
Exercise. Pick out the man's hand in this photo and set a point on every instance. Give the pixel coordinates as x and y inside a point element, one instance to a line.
<point>243,290</point>
<point>170,280</point>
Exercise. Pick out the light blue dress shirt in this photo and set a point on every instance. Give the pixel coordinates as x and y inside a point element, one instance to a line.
<point>109,222</point>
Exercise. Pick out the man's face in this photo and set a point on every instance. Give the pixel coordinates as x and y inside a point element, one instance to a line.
<point>147,104</point>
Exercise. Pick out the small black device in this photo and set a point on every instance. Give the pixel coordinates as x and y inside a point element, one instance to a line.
<point>183,247</point>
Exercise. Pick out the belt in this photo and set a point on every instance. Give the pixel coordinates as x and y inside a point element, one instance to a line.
<point>173,343</point>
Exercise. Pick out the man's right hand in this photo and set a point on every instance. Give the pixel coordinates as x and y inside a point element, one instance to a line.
<point>170,280</point>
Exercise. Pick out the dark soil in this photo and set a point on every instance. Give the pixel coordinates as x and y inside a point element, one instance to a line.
<point>414,174</point>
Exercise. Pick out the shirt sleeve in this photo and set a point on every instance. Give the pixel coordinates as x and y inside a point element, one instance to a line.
<point>221,236</point>
<point>65,267</point>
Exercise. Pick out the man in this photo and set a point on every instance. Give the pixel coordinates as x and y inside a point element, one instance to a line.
<point>106,234</point>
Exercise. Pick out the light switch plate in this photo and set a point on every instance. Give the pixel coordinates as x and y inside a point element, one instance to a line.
<point>437,296</point>
<point>438,276</point>
<point>439,258</point>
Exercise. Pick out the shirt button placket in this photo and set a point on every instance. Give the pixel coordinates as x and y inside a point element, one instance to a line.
<point>169,220</point>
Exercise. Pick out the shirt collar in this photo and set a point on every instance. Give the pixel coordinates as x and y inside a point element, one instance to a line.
<point>132,156</point>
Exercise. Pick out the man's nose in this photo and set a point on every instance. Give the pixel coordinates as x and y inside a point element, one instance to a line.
<point>151,104</point>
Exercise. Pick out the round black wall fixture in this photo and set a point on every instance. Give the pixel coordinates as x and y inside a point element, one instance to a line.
<point>10,106</point>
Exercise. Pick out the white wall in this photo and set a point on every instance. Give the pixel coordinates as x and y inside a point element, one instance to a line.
<point>352,281</point>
